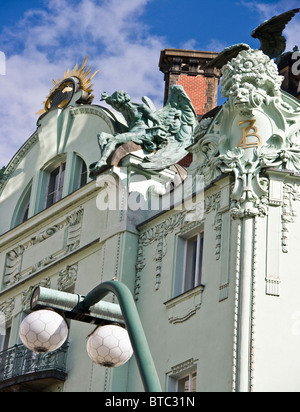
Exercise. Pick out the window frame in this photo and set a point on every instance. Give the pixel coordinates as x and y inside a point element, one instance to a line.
<point>80,173</point>
<point>178,373</point>
<point>180,277</point>
<point>190,377</point>
<point>59,180</point>
<point>5,339</point>
<point>22,207</point>
<point>195,270</point>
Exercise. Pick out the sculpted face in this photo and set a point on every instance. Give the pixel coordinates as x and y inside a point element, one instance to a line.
<point>118,99</point>
<point>244,96</point>
<point>249,78</point>
<point>240,95</point>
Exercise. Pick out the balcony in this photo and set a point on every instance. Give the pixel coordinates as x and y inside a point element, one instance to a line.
<point>24,371</point>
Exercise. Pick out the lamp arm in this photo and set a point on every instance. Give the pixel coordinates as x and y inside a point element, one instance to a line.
<point>134,327</point>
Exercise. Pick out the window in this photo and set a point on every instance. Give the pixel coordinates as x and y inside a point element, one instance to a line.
<point>193,256</point>
<point>78,172</point>
<point>21,212</point>
<point>187,383</point>
<point>55,185</point>
<point>58,178</point>
<point>81,174</point>
<point>183,377</point>
<point>4,339</point>
<point>24,215</point>
<point>189,261</point>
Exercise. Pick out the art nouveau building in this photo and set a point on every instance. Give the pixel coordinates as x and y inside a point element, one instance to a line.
<point>216,284</point>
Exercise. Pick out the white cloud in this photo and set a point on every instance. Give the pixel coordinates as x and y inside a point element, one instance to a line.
<point>49,41</point>
<point>216,45</point>
<point>265,10</point>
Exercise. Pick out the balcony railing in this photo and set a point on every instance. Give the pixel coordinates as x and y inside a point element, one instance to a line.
<point>18,365</point>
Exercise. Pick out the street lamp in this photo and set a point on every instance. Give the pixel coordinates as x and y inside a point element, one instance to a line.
<point>43,331</point>
<point>109,346</point>
<point>119,333</point>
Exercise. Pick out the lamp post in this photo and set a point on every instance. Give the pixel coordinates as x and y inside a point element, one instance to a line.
<point>91,309</point>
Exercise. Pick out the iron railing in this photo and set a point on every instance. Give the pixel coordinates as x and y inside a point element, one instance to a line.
<point>19,361</point>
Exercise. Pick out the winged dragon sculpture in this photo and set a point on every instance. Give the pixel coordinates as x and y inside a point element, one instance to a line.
<point>163,134</point>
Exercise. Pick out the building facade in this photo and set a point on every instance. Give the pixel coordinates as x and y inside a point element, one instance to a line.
<point>215,278</point>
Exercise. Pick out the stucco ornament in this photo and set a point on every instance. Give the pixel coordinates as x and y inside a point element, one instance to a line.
<point>257,128</point>
<point>163,134</point>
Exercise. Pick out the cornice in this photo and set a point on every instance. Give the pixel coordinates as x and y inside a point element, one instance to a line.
<point>59,209</point>
<point>16,160</point>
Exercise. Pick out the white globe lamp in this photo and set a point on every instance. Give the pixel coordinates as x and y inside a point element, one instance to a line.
<point>43,331</point>
<point>109,346</point>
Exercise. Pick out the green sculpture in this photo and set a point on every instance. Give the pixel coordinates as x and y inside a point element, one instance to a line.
<point>167,132</point>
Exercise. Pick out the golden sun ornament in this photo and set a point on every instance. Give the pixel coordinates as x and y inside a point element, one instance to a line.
<point>61,94</point>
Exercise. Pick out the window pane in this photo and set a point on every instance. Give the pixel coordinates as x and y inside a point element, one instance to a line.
<point>83,175</point>
<point>22,210</point>
<point>52,187</point>
<point>55,187</point>
<point>80,173</point>
<point>183,384</point>
<point>190,262</point>
<point>200,258</point>
<point>24,217</point>
<point>188,383</point>
<point>4,340</point>
<point>60,182</point>
<point>193,262</point>
<point>194,382</point>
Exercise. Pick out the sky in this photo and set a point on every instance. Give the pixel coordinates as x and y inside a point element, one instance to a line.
<point>123,39</point>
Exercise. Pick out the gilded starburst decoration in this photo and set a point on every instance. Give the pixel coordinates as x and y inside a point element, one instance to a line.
<point>80,78</point>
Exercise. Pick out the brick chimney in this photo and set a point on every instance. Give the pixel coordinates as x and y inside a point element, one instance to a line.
<point>186,68</point>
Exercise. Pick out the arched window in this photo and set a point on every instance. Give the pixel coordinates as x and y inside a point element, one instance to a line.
<point>22,210</point>
<point>79,173</point>
<point>58,178</point>
<point>82,173</point>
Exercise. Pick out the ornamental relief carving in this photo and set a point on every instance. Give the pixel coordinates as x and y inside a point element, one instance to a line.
<point>185,306</point>
<point>158,235</point>
<point>291,194</point>
<point>59,240</point>
<point>256,129</point>
<point>27,294</point>
<point>7,308</point>
<point>67,277</point>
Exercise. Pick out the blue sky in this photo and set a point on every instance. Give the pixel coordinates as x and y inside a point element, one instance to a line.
<point>123,38</point>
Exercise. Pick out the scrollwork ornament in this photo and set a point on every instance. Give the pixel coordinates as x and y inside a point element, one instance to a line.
<point>257,129</point>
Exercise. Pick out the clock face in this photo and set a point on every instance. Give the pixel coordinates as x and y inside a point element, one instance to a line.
<point>63,94</point>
